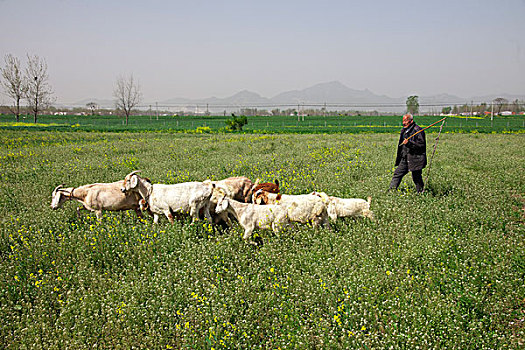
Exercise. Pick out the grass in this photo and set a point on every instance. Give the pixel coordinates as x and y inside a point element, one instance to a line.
<point>440,270</point>
<point>261,124</point>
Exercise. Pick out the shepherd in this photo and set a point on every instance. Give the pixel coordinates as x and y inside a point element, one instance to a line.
<point>411,154</point>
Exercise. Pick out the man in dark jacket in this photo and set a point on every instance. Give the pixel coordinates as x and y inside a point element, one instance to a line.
<point>411,154</point>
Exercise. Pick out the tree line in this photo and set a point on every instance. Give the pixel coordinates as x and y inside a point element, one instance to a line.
<point>30,83</point>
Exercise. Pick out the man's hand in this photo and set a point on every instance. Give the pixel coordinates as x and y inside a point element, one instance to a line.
<point>405,141</point>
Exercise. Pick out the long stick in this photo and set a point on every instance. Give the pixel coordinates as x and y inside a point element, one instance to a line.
<point>414,134</point>
<point>433,152</point>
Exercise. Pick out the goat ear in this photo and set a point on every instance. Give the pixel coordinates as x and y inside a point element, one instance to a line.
<point>224,204</point>
<point>133,181</point>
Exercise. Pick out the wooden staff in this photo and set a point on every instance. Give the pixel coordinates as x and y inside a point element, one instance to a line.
<point>432,157</point>
<point>408,138</point>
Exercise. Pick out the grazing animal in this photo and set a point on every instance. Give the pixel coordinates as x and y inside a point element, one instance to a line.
<point>238,188</point>
<point>304,208</point>
<point>185,198</point>
<point>252,216</point>
<point>97,197</point>
<point>346,207</point>
<point>266,186</point>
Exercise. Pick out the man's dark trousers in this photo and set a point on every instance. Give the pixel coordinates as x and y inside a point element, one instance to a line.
<point>402,170</point>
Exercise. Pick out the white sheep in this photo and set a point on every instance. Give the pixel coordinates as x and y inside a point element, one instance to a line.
<point>304,208</point>
<point>346,207</point>
<point>252,216</point>
<point>186,198</point>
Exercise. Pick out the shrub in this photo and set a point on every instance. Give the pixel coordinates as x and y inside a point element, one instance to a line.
<point>236,123</point>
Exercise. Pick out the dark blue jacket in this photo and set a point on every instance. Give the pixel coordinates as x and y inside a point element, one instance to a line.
<point>416,148</point>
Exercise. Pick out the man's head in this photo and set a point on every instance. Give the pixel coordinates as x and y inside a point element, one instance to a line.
<point>407,120</point>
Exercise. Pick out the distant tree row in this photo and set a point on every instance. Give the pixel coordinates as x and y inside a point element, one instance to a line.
<point>498,105</point>
<point>32,85</point>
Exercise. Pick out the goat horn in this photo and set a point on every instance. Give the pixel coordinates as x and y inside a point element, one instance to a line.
<point>58,187</point>
<point>134,172</point>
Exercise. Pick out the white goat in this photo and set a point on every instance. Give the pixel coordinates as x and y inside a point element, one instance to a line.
<point>186,198</point>
<point>97,197</point>
<point>346,207</point>
<point>304,208</point>
<point>252,216</point>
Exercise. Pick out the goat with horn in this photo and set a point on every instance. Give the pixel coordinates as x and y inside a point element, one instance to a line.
<point>97,197</point>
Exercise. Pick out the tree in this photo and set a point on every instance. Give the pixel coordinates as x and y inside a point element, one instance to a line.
<point>500,102</point>
<point>127,94</point>
<point>39,94</point>
<point>482,108</point>
<point>236,123</point>
<point>13,82</point>
<point>92,106</point>
<point>446,110</point>
<point>413,104</point>
<point>516,106</point>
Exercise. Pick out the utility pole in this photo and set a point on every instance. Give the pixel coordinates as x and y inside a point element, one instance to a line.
<point>157,109</point>
<point>492,111</point>
<point>470,109</point>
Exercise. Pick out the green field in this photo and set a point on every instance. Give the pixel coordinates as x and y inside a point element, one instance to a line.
<point>445,269</point>
<point>264,124</point>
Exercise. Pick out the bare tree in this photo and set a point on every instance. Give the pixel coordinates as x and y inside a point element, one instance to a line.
<point>13,82</point>
<point>39,94</point>
<point>92,106</point>
<point>127,94</point>
<point>500,102</point>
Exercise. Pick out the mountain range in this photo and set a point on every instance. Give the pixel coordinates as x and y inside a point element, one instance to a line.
<point>335,94</point>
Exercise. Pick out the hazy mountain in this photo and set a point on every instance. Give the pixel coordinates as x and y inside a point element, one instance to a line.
<point>440,99</point>
<point>102,103</point>
<point>331,93</point>
<point>488,98</point>
<point>244,97</point>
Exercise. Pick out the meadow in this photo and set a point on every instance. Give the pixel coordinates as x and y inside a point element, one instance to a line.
<point>445,269</point>
<point>262,124</point>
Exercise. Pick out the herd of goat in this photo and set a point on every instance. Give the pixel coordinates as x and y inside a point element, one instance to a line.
<point>253,205</point>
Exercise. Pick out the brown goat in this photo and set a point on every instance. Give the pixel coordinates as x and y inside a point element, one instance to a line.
<point>267,186</point>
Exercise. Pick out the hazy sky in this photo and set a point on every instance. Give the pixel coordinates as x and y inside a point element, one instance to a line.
<point>199,49</point>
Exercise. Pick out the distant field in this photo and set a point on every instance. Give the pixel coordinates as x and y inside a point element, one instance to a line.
<point>442,270</point>
<point>277,124</point>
